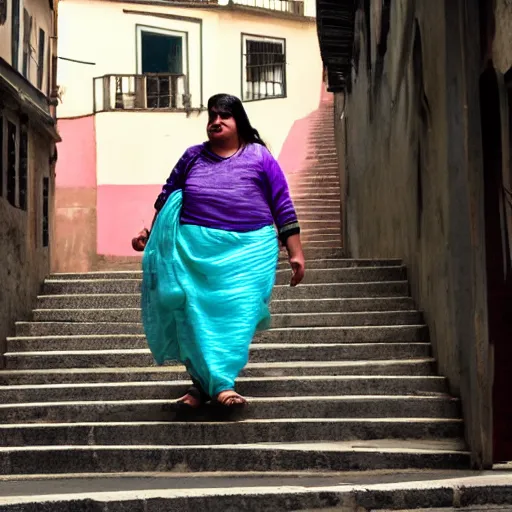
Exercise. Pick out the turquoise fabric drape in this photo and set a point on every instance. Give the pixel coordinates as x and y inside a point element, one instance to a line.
<point>205,292</point>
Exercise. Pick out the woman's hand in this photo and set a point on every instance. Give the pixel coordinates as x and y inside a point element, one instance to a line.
<point>140,241</point>
<point>296,258</point>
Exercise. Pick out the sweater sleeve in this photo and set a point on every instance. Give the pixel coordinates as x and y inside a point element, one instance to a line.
<point>281,205</point>
<point>176,179</point>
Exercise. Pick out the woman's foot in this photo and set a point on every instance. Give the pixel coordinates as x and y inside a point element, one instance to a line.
<point>231,399</point>
<point>191,400</point>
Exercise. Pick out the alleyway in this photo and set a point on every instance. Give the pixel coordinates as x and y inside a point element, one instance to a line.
<point>343,381</point>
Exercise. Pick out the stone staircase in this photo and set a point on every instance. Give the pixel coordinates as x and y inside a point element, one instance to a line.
<point>344,380</point>
<point>315,188</point>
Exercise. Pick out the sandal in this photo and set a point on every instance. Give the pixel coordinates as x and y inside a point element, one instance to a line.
<point>231,401</point>
<point>182,406</point>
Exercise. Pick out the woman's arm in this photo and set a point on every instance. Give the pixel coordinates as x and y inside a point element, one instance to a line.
<point>174,182</point>
<point>285,217</point>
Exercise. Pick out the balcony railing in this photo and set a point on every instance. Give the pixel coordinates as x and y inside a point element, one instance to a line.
<point>160,91</point>
<point>287,6</point>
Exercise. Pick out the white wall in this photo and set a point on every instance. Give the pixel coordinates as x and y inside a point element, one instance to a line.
<point>142,147</point>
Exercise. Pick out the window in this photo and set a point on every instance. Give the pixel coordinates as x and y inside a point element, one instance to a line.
<point>3,11</point>
<point>263,68</point>
<point>163,62</point>
<point>27,31</point>
<point>15,33</point>
<point>40,58</point>
<point>23,168</point>
<point>12,158</point>
<point>46,217</point>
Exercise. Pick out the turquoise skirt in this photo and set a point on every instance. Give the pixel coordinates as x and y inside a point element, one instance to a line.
<point>205,292</point>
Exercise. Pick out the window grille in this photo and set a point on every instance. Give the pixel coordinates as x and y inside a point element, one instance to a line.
<point>264,68</point>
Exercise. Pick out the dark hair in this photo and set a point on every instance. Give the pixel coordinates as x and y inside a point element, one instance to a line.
<point>233,105</point>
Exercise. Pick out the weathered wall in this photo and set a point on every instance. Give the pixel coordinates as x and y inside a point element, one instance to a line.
<point>414,181</point>
<point>25,262</point>
<point>75,197</point>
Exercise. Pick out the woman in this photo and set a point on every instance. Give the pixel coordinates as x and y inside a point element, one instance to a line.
<point>209,264</point>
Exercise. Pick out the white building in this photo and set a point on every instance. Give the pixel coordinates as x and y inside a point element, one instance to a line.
<point>134,81</point>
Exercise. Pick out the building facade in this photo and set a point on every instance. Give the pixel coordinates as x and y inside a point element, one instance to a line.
<point>423,120</point>
<point>27,153</point>
<point>133,99</point>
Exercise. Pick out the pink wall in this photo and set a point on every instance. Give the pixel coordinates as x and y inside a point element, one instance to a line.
<point>112,214</point>
<point>76,166</point>
<point>75,197</point>
<point>121,210</point>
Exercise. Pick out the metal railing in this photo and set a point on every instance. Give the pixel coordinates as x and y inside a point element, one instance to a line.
<point>287,6</point>
<point>159,91</point>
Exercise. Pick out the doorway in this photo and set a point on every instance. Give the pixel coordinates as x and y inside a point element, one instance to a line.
<point>498,264</point>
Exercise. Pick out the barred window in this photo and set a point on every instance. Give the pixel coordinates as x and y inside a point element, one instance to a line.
<point>263,68</point>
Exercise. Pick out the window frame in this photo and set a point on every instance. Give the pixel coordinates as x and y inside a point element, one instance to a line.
<point>243,67</point>
<point>41,57</point>
<point>165,32</point>
<point>26,51</point>
<point>15,202</point>
<point>46,194</point>
<point>15,34</point>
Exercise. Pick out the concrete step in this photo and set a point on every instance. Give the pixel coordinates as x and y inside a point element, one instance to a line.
<point>343,263</point>
<point>449,491</point>
<point>315,171</point>
<point>309,223</point>
<point>321,253</point>
<point>286,430</point>
<point>311,195</point>
<point>322,159</point>
<point>91,303</point>
<point>129,282</point>
<point>309,203</point>
<point>316,212</point>
<point>332,240</point>
<point>260,457</point>
<point>131,351</point>
<point>296,334</point>
<point>309,238</point>
<point>311,178</point>
<point>248,386</point>
<point>334,407</point>
<point>321,231</point>
<point>322,243</point>
<point>330,213</point>
<point>42,317</point>
<point>424,366</point>
<point>326,216</point>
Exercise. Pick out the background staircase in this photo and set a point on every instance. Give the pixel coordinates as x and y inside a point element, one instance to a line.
<point>344,380</point>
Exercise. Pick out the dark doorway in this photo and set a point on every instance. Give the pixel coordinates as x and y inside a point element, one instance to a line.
<point>499,283</point>
<point>162,55</point>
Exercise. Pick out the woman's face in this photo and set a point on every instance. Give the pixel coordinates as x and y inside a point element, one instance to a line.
<point>221,125</point>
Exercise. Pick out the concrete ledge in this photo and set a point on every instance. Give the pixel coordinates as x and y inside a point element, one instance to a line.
<point>419,490</point>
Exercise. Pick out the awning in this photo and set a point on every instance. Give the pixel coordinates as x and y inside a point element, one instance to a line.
<point>335,27</point>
